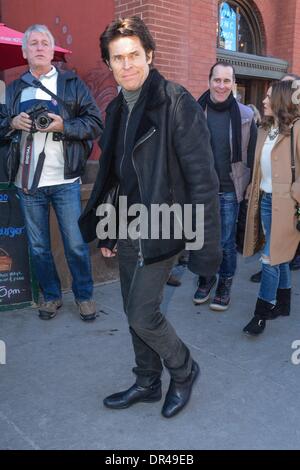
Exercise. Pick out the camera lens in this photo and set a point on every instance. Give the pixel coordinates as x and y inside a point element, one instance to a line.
<point>43,122</point>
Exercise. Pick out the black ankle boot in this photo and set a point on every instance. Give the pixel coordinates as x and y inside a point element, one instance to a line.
<point>255,326</point>
<point>262,312</point>
<point>179,393</point>
<point>284,301</point>
<point>134,394</point>
<point>283,305</point>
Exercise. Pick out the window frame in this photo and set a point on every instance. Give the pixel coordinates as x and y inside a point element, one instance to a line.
<point>244,10</point>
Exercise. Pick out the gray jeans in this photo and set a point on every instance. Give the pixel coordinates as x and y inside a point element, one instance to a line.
<point>153,337</point>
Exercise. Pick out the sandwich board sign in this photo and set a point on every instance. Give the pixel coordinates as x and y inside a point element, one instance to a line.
<point>17,286</point>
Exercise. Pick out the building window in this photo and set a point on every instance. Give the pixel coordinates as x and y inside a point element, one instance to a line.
<point>234,30</point>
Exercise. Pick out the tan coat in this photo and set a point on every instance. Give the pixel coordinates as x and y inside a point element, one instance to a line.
<point>284,235</point>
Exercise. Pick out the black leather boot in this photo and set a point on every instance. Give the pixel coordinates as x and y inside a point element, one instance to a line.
<point>283,305</point>
<point>262,313</point>
<point>133,395</point>
<point>179,393</point>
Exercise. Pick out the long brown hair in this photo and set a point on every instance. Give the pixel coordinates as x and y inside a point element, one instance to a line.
<point>284,105</point>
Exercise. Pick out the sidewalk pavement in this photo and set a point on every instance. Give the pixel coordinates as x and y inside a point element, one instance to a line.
<point>57,373</point>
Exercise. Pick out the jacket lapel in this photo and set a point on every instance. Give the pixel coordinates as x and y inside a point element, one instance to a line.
<point>261,137</point>
<point>62,78</point>
<point>113,116</point>
<point>155,97</point>
<point>279,139</point>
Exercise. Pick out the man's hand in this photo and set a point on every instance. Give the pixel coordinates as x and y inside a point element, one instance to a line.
<point>21,122</point>
<point>56,126</point>
<point>107,253</point>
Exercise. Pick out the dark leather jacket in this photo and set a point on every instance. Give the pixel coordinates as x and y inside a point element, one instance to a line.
<point>82,123</point>
<point>174,164</point>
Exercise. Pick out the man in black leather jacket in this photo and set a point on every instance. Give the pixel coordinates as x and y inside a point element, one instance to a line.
<point>49,139</point>
<point>156,146</point>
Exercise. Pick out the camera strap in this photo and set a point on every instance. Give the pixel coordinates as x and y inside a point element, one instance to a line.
<point>30,80</point>
<point>27,165</point>
<point>293,165</point>
<point>27,161</point>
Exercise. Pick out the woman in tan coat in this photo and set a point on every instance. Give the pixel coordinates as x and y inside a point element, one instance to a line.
<point>271,219</point>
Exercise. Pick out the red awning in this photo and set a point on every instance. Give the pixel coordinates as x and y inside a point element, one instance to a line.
<point>11,49</point>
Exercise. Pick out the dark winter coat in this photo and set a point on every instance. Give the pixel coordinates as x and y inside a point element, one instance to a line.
<point>82,123</point>
<point>173,160</point>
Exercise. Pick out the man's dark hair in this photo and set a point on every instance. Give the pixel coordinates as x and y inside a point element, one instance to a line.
<point>124,27</point>
<point>224,64</point>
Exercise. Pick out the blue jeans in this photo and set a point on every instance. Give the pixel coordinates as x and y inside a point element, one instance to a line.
<point>277,276</point>
<point>65,200</point>
<point>229,213</point>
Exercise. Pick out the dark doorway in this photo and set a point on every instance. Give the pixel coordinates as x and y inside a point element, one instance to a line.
<point>251,90</point>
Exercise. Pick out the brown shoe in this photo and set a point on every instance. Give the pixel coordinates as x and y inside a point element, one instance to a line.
<point>173,281</point>
<point>48,310</point>
<point>87,310</point>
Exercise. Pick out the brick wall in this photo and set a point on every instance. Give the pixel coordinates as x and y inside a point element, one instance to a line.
<point>295,66</point>
<point>185,35</point>
<point>282,26</point>
<point>184,30</point>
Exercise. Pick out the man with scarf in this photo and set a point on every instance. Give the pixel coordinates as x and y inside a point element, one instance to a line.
<point>156,146</point>
<point>233,138</point>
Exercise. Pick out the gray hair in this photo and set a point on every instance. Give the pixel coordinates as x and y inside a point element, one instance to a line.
<point>38,28</point>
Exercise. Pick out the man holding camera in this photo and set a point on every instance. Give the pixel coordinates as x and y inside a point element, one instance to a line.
<point>53,122</point>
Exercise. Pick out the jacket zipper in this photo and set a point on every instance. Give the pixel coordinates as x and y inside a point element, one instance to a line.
<point>140,142</point>
<point>124,143</point>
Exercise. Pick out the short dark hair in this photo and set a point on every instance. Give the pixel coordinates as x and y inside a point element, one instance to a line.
<point>224,64</point>
<point>124,27</point>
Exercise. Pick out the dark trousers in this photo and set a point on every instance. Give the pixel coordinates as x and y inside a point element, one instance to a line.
<point>152,335</point>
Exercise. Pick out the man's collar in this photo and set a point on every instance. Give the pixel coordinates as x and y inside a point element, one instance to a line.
<point>49,74</point>
<point>153,87</point>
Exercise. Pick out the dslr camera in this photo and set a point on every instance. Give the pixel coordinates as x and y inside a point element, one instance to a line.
<point>39,116</point>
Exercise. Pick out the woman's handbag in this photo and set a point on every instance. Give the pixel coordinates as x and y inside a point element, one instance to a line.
<point>241,225</point>
<point>5,261</point>
<point>293,168</point>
